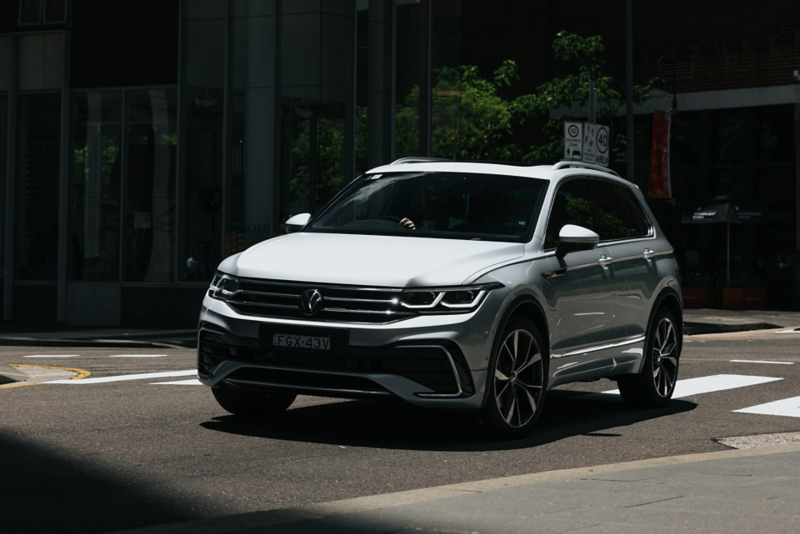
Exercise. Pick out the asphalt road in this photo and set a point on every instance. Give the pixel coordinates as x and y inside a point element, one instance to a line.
<point>99,457</point>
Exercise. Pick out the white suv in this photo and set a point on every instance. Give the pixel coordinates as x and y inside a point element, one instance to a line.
<point>451,285</point>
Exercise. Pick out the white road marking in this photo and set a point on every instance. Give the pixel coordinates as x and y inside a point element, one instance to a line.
<point>140,376</point>
<point>52,356</point>
<point>710,384</point>
<point>762,361</point>
<point>137,356</point>
<point>785,407</point>
<point>792,331</point>
<point>193,382</point>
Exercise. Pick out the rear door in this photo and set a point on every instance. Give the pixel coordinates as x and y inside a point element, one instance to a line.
<point>579,288</point>
<point>626,231</point>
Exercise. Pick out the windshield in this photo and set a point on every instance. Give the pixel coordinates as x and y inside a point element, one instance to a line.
<point>436,204</point>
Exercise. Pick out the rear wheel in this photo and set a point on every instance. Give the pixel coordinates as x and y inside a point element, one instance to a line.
<point>517,382</point>
<point>252,404</point>
<point>654,386</point>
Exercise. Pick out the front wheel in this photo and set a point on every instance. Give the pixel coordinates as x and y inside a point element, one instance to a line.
<point>517,382</point>
<point>252,404</point>
<point>654,386</point>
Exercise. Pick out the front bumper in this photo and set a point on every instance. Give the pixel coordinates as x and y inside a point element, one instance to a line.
<point>432,361</point>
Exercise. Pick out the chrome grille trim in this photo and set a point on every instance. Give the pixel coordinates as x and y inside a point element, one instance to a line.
<point>348,304</point>
<point>369,312</point>
<point>372,301</point>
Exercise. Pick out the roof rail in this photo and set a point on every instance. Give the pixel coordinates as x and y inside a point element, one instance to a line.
<point>417,159</point>
<point>568,163</point>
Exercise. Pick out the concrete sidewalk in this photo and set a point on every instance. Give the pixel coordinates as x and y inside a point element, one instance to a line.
<point>752,490</point>
<point>711,321</point>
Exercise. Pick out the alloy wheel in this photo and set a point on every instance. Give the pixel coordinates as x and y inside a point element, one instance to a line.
<point>665,362</point>
<point>518,378</point>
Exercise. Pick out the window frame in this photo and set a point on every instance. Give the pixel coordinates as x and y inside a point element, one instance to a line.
<point>42,15</point>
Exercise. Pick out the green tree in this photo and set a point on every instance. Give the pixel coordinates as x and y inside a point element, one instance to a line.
<point>585,57</point>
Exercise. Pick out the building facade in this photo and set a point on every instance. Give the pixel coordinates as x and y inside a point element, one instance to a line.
<point>141,143</point>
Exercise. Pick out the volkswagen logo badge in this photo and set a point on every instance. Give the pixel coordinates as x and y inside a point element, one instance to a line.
<point>310,301</point>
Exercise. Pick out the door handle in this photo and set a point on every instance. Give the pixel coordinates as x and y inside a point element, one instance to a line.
<point>604,260</point>
<point>648,254</point>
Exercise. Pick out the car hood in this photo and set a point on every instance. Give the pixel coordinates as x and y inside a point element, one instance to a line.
<point>381,261</point>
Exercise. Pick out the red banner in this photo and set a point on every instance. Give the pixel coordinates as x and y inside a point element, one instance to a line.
<point>660,186</point>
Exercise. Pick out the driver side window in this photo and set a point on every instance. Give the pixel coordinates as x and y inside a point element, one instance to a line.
<point>571,205</point>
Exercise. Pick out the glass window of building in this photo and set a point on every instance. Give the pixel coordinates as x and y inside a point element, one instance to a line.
<point>36,206</point>
<point>95,186</point>
<point>204,107</point>
<point>149,227</point>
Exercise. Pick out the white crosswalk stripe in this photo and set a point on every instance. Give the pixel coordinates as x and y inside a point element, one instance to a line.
<point>192,382</point>
<point>785,407</point>
<point>121,378</point>
<point>711,384</point>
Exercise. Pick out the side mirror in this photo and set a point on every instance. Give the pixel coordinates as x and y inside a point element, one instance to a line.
<point>572,238</point>
<point>297,222</point>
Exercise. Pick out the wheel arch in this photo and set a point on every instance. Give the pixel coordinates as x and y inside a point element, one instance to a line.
<point>530,308</point>
<point>667,298</point>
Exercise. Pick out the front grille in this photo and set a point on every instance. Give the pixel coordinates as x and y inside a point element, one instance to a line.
<point>264,298</point>
<point>425,365</point>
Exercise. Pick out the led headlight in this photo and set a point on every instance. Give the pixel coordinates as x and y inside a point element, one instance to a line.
<point>223,286</point>
<point>446,299</point>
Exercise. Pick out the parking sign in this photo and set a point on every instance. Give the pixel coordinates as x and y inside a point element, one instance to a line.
<point>589,142</point>
<point>573,140</point>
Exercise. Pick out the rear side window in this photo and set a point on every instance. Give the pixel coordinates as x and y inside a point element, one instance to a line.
<point>638,214</point>
<point>616,212</point>
<point>571,205</point>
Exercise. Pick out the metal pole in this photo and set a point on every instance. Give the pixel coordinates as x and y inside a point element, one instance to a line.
<point>629,91</point>
<point>592,103</point>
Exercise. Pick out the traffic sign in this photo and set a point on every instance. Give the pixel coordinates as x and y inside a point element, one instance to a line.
<point>602,144</point>
<point>589,142</point>
<point>573,140</point>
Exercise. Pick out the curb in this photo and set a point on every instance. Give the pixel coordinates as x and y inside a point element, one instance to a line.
<point>696,328</point>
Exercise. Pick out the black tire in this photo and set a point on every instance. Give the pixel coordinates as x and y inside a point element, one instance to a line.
<point>654,386</point>
<point>253,404</point>
<point>516,387</point>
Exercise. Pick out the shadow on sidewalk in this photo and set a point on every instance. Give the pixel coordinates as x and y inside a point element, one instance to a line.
<point>398,425</point>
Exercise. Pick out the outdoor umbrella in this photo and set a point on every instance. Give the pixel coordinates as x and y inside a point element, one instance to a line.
<point>721,209</point>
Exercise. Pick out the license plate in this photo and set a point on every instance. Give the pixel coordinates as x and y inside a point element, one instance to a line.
<point>301,342</point>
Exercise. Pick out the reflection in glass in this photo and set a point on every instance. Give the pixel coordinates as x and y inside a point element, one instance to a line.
<point>150,194</point>
<point>203,193</point>
<point>36,216</point>
<point>94,186</point>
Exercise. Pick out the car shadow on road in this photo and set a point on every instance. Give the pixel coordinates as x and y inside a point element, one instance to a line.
<point>398,425</point>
